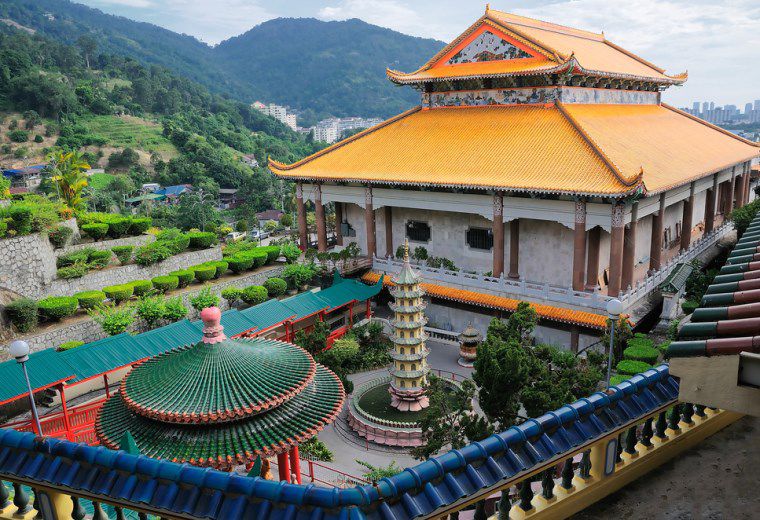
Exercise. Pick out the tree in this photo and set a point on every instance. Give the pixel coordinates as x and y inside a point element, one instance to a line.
<point>89,46</point>
<point>286,220</point>
<point>195,213</point>
<point>375,473</point>
<point>316,340</point>
<point>69,178</point>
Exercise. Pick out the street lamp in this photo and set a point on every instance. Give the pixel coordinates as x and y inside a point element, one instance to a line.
<point>614,309</point>
<point>20,350</point>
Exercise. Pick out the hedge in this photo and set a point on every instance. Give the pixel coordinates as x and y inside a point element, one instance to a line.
<point>21,218</point>
<point>82,256</point>
<point>72,271</point>
<point>648,355</point>
<point>152,253</point>
<point>221,267</point>
<point>55,308</point>
<point>689,306</point>
<point>95,231</point>
<point>59,235</point>
<point>165,283</point>
<point>231,294</point>
<point>631,368</point>
<point>273,253</point>
<point>90,299</point>
<point>118,226</point>
<point>185,276</point>
<point>119,293</point>
<point>239,263</point>
<point>69,345</point>
<point>254,294</point>
<point>23,314</point>
<point>616,380</point>
<point>140,225</point>
<point>201,239</point>
<point>141,287</point>
<point>276,286</point>
<point>204,273</point>
<point>99,259</point>
<point>123,253</point>
<point>176,245</point>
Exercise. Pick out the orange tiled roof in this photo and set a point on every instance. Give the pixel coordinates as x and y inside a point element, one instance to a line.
<point>607,150</point>
<point>586,319</point>
<point>556,48</point>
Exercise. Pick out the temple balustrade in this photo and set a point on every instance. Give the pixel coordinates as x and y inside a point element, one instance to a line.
<point>548,467</point>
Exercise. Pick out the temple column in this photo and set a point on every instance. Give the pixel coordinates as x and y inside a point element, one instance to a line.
<point>295,464</point>
<point>338,221</point>
<point>283,467</point>
<point>579,247</point>
<point>369,222</point>
<point>710,206</point>
<point>319,210</point>
<point>514,249</point>
<point>303,234</point>
<point>655,248</point>
<point>738,191</point>
<point>686,220</point>
<point>574,339</point>
<point>616,250</point>
<point>730,195</point>
<point>388,231</point>
<point>498,234</point>
<point>629,249</point>
<point>592,261</point>
<point>745,194</point>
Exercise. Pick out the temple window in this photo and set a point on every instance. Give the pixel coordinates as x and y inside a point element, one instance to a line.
<point>480,238</point>
<point>417,231</point>
<point>403,384</point>
<point>414,366</point>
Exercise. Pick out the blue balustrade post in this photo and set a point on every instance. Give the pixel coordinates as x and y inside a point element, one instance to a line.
<point>4,496</point>
<point>20,499</point>
<point>77,513</point>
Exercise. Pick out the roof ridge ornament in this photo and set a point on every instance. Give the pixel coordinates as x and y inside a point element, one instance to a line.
<point>213,331</point>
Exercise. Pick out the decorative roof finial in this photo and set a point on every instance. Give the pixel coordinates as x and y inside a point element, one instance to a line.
<point>213,332</point>
<point>406,250</point>
<point>488,8</point>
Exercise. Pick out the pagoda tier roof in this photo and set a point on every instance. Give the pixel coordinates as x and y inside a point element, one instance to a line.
<point>230,443</point>
<point>217,382</point>
<point>543,48</point>
<point>575,149</point>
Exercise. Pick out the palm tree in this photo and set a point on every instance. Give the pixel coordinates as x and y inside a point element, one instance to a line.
<point>69,178</point>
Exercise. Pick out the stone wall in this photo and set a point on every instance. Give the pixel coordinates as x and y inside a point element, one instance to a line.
<point>108,244</point>
<point>27,264</point>
<point>95,280</point>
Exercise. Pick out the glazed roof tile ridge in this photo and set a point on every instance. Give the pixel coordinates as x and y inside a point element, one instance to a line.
<point>549,26</point>
<point>710,125</point>
<point>632,181</point>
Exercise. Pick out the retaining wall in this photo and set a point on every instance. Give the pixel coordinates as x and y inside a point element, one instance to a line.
<point>27,264</point>
<point>103,245</point>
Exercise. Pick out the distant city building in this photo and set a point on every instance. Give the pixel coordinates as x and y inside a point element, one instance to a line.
<point>726,114</point>
<point>278,112</point>
<point>331,130</point>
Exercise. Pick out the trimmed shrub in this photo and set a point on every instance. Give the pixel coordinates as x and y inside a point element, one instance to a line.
<point>259,258</point>
<point>165,283</point>
<point>72,271</point>
<point>689,306</point>
<point>113,320</point>
<point>60,235</point>
<point>239,263</point>
<point>205,298</point>
<point>55,308</point>
<point>291,252</point>
<point>119,293</point>
<point>220,266</point>
<point>95,231</point>
<point>141,287</point>
<point>118,226</point>
<point>201,239</point>
<point>616,380</point>
<point>177,245</point>
<point>123,253</point>
<point>276,286</point>
<point>185,276</point>
<point>150,309</point>
<point>231,294</point>
<point>204,273</point>
<point>174,310</point>
<point>90,299</point>
<point>21,218</point>
<point>138,226</point>
<point>152,253</point>
<point>99,259</point>
<point>77,257</point>
<point>648,355</point>
<point>254,294</point>
<point>69,345</point>
<point>273,253</point>
<point>23,314</point>
<point>630,367</point>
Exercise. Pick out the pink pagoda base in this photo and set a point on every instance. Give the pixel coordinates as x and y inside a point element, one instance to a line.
<point>408,401</point>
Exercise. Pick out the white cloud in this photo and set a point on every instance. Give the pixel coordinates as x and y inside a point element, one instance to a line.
<point>394,14</point>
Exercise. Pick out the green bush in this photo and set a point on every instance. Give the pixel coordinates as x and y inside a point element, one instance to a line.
<point>139,226</point>
<point>254,294</point>
<point>616,380</point>
<point>176,245</point>
<point>744,216</point>
<point>663,347</point>
<point>648,355</point>
<point>119,293</point>
<point>231,294</point>
<point>689,306</point>
<point>18,136</point>
<point>151,309</point>
<point>201,239</point>
<point>76,257</point>
<point>55,308</point>
<point>95,231</point>
<point>90,299</point>
<point>174,310</point>
<point>165,283</point>
<point>21,218</point>
<point>291,252</point>
<point>185,276</point>
<point>276,286</point>
<point>631,368</point>
<point>141,287</point>
<point>23,314</point>
<point>273,253</point>
<point>123,253</point>
<point>113,320</point>
<point>152,253</point>
<point>118,226</point>
<point>316,450</point>
<point>60,235</point>
<point>259,258</point>
<point>297,275</point>
<point>99,259</point>
<point>204,273</point>
<point>238,263</point>
<point>220,266</point>
<point>38,138</point>
<point>72,271</point>
<point>204,299</point>
<point>69,345</point>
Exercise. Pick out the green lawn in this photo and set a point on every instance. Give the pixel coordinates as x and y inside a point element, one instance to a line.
<point>134,132</point>
<point>377,402</point>
<point>99,181</point>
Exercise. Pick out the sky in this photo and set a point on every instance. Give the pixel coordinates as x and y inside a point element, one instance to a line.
<point>717,42</point>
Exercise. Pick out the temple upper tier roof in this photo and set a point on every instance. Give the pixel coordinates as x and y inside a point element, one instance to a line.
<point>587,149</point>
<point>501,44</point>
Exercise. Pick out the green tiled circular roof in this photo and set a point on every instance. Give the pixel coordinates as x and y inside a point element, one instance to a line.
<point>217,382</point>
<point>229,443</point>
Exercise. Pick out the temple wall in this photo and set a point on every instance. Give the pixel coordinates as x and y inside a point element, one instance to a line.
<point>546,252</point>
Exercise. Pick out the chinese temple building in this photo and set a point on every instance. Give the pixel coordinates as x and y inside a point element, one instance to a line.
<point>222,402</point>
<point>542,159</point>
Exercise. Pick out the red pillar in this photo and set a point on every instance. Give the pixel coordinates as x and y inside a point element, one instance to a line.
<point>655,251</point>
<point>616,250</point>
<point>338,221</point>
<point>295,463</point>
<point>592,262</point>
<point>319,211</point>
<point>730,195</point>
<point>369,222</point>
<point>579,247</point>
<point>303,234</point>
<point>498,235</point>
<point>629,251</point>
<point>710,211</point>
<point>65,408</point>
<point>351,314</point>
<point>686,223</point>
<point>738,191</point>
<point>368,312</point>
<point>514,249</point>
<point>283,466</point>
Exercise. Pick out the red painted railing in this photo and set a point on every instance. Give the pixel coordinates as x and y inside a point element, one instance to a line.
<point>81,423</point>
<point>337,478</point>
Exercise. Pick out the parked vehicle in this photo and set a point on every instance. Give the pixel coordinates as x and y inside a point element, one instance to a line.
<point>235,236</point>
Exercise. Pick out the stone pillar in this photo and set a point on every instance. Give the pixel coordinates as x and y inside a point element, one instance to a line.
<point>514,249</point>
<point>616,250</point>
<point>579,247</point>
<point>319,211</point>
<point>655,248</point>
<point>686,220</point>
<point>710,206</point>
<point>338,222</point>
<point>629,249</point>
<point>730,195</point>
<point>498,234</point>
<point>388,231</point>
<point>369,222</point>
<point>592,262</point>
<point>739,191</point>
<point>574,339</point>
<point>302,230</point>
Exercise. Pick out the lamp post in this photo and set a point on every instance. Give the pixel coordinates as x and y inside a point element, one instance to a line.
<point>614,309</point>
<point>20,351</point>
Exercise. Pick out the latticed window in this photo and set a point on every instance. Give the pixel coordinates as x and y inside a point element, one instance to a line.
<point>480,238</point>
<point>417,231</point>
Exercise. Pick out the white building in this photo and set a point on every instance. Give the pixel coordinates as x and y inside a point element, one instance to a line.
<point>278,112</point>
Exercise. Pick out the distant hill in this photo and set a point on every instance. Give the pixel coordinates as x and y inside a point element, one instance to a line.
<point>330,68</point>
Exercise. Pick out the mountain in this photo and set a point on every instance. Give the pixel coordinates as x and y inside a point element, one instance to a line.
<point>325,68</point>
